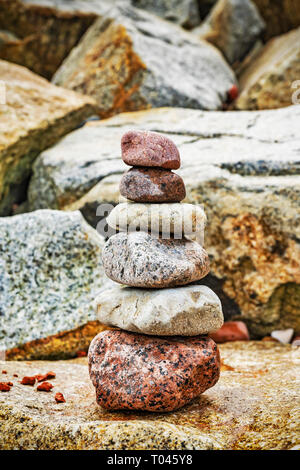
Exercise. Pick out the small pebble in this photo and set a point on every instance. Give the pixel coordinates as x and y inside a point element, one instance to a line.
<point>59,398</point>
<point>4,387</point>
<point>45,387</point>
<point>28,381</point>
<point>283,336</point>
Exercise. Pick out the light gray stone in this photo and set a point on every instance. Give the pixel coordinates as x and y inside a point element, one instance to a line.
<point>233,26</point>
<point>50,272</point>
<point>150,59</point>
<point>187,311</point>
<point>141,260</point>
<point>244,168</point>
<point>167,218</point>
<point>183,12</point>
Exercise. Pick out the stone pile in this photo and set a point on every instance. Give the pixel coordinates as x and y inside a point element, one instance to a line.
<point>162,358</point>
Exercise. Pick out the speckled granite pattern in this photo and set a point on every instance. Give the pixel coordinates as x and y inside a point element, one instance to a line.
<point>140,260</point>
<point>152,185</point>
<point>187,311</point>
<point>135,372</point>
<point>253,406</point>
<point>50,272</point>
<point>144,148</point>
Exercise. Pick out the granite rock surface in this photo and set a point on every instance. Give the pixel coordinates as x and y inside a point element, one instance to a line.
<point>142,148</point>
<point>172,218</point>
<point>138,372</point>
<point>183,12</point>
<point>253,406</point>
<point>267,82</point>
<point>233,26</point>
<point>131,60</point>
<point>34,116</point>
<point>50,272</point>
<point>185,311</point>
<point>233,164</point>
<point>140,260</point>
<point>152,185</point>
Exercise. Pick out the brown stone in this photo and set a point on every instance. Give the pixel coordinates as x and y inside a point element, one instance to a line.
<point>136,372</point>
<point>280,15</point>
<point>152,185</point>
<point>145,148</point>
<point>231,331</point>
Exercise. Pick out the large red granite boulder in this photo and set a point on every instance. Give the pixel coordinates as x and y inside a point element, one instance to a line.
<point>137,372</point>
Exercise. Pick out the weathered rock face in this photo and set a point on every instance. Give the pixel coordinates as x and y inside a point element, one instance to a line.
<point>138,372</point>
<point>36,114</point>
<point>186,311</point>
<point>280,15</point>
<point>267,81</point>
<point>141,260</point>
<point>233,26</point>
<point>47,31</point>
<point>129,61</point>
<point>50,272</point>
<point>253,406</point>
<point>183,12</point>
<point>233,164</point>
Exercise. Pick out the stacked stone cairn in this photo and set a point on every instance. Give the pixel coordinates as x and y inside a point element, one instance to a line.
<point>161,357</point>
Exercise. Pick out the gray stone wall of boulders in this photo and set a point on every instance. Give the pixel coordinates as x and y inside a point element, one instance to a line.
<point>221,79</point>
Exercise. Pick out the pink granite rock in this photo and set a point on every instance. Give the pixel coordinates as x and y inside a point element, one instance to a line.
<point>145,148</point>
<point>137,372</point>
<point>231,331</point>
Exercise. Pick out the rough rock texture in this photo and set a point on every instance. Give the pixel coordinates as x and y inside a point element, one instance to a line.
<point>267,82</point>
<point>152,185</point>
<point>186,311</point>
<point>140,260</point>
<point>280,15</point>
<point>244,168</point>
<point>253,406</point>
<point>35,115</point>
<point>132,60</point>
<point>50,272</point>
<point>47,30</point>
<point>173,218</point>
<point>138,372</point>
<point>233,26</point>
<point>183,12</point>
<point>142,148</point>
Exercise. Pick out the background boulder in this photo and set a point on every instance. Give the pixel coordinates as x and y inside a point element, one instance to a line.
<point>50,273</point>
<point>131,60</point>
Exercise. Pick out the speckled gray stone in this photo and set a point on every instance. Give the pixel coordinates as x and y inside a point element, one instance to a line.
<point>141,260</point>
<point>50,272</point>
<point>185,311</point>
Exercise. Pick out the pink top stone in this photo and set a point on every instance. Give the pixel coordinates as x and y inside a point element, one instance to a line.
<point>144,148</point>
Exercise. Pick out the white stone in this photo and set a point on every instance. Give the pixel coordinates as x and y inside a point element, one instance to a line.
<point>174,218</point>
<point>187,311</point>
